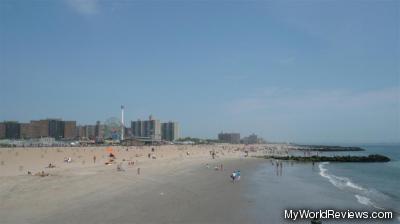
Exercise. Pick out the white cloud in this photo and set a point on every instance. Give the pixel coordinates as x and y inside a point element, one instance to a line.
<point>85,7</point>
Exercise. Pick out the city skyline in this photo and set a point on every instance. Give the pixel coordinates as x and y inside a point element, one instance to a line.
<point>152,129</point>
<point>307,72</point>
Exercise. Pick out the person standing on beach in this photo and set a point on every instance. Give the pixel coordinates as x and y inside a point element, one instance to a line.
<point>94,159</point>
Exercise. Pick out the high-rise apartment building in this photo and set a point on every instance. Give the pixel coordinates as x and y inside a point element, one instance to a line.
<point>56,128</point>
<point>69,129</point>
<point>26,130</point>
<point>80,131</point>
<point>99,131</point>
<point>252,139</point>
<point>40,128</point>
<point>13,129</point>
<point>170,131</point>
<point>148,128</point>
<point>87,131</point>
<point>137,128</point>
<point>91,132</point>
<point>2,130</point>
<point>233,138</point>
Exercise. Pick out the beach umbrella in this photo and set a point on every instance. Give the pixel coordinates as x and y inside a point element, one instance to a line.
<point>109,149</point>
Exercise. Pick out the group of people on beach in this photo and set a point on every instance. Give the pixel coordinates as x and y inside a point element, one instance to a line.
<point>40,174</point>
<point>279,167</point>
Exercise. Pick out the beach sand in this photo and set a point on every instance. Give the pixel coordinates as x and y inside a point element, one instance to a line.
<point>176,187</point>
<point>181,185</point>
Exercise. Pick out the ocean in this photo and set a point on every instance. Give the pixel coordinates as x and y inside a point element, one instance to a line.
<point>341,186</point>
<point>373,184</point>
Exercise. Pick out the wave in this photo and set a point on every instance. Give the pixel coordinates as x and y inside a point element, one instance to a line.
<point>363,200</point>
<point>345,183</point>
<point>366,201</point>
<point>340,182</point>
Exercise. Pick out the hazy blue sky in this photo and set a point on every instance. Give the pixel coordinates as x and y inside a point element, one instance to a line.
<point>304,71</point>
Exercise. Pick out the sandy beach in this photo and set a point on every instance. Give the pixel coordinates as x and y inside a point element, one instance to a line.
<point>177,184</point>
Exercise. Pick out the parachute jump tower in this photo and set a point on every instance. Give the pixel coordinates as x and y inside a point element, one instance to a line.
<point>122,123</point>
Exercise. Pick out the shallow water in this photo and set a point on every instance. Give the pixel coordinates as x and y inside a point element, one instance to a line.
<point>355,186</point>
<point>373,184</point>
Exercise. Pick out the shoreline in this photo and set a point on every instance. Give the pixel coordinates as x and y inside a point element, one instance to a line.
<point>176,187</point>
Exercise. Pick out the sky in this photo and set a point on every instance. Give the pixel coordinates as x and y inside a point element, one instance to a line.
<point>292,71</point>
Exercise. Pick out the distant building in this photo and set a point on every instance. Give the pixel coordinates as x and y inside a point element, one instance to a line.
<point>233,138</point>
<point>26,130</point>
<point>87,132</point>
<point>56,128</point>
<point>2,130</point>
<point>99,131</point>
<point>148,128</point>
<point>13,129</point>
<point>137,128</point>
<point>40,128</point>
<point>81,131</point>
<point>252,139</point>
<point>70,129</point>
<point>91,132</point>
<point>170,131</point>
<point>151,130</point>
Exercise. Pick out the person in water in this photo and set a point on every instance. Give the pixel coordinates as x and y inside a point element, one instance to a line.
<point>238,175</point>
<point>233,176</point>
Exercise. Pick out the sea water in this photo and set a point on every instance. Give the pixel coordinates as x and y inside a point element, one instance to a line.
<point>372,184</point>
<point>341,186</point>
